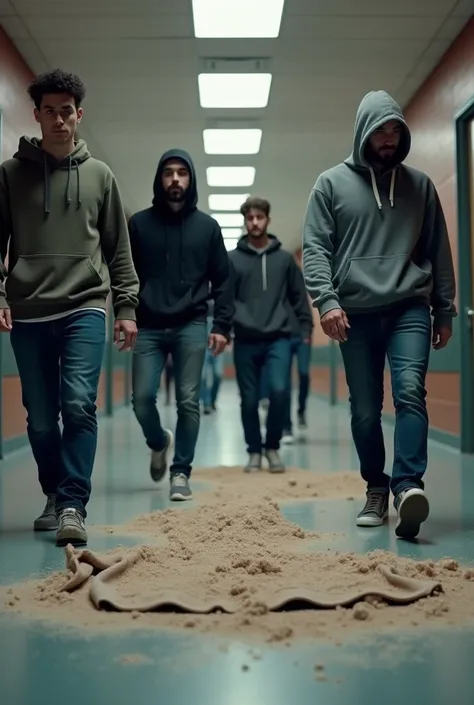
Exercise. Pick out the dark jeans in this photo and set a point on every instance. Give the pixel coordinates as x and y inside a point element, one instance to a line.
<point>404,336</point>
<point>252,359</point>
<point>187,346</point>
<point>302,351</point>
<point>59,364</point>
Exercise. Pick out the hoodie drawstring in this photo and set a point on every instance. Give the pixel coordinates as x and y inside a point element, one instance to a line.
<point>376,190</point>
<point>72,164</point>
<point>264,271</point>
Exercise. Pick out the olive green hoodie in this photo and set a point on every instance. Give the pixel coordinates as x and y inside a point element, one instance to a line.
<point>69,243</point>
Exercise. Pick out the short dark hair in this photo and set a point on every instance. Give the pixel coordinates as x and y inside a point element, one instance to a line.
<point>256,203</point>
<point>57,81</point>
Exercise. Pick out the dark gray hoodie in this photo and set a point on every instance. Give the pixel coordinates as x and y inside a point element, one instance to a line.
<point>372,240</point>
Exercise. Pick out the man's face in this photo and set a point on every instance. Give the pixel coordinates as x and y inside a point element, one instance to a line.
<point>175,179</point>
<point>256,223</point>
<point>58,117</point>
<point>383,143</point>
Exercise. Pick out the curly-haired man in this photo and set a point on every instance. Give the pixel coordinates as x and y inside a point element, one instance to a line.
<point>63,224</point>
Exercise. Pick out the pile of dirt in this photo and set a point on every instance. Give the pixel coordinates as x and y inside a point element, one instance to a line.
<point>242,550</point>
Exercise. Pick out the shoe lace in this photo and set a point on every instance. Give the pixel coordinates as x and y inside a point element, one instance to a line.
<point>374,501</point>
<point>71,517</point>
<point>180,480</point>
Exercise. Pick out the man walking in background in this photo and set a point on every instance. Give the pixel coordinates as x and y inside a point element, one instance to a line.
<point>300,348</point>
<point>178,251</point>
<point>266,281</point>
<point>378,265</point>
<point>212,371</point>
<point>63,225</point>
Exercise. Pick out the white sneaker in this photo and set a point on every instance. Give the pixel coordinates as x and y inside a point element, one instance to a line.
<point>287,438</point>
<point>413,509</point>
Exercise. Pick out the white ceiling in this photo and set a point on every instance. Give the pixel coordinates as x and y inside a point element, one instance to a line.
<point>140,61</point>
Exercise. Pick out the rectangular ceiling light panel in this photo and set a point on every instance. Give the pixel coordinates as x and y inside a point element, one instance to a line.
<point>229,220</point>
<point>231,19</point>
<point>227,201</point>
<point>230,176</point>
<point>234,90</point>
<point>238,141</point>
<point>231,233</point>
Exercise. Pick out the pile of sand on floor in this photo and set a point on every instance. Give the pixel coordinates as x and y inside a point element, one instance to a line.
<point>239,551</point>
<point>231,482</point>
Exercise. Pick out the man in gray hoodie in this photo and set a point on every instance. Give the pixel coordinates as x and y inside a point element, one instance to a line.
<point>377,264</point>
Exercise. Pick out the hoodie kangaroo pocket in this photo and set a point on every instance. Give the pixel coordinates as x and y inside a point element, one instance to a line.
<point>52,278</point>
<point>376,281</point>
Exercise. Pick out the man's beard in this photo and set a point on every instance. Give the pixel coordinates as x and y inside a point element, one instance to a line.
<point>175,194</point>
<point>386,160</point>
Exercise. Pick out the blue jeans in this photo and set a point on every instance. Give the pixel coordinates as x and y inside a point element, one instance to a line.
<point>187,346</point>
<point>403,335</point>
<point>302,351</point>
<point>251,359</point>
<point>59,363</point>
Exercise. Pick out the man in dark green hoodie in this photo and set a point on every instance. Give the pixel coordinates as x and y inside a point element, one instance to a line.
<point>64,232</point>
<point>377,264</point>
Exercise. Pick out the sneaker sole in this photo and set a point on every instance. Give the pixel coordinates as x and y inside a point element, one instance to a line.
<point>159,475</point>
<point>413,511</point>
<point>276,471</point>
<point>370,522</point>
<point>71,538</point>
<point>178,497</point>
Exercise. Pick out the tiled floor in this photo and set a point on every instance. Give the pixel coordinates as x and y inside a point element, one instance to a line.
<point>39,664</point>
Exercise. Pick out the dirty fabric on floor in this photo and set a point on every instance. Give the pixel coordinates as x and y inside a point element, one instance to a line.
<point>103,569</point>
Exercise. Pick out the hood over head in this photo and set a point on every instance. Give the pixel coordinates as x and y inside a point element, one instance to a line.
<point>377,108</point>
<point>159,194</point>
<point>30,150</point>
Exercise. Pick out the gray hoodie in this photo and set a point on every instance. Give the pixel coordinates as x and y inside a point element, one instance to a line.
<point>372,240</point>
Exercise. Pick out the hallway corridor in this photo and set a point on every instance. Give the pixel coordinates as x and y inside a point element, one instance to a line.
<point>40,663</point>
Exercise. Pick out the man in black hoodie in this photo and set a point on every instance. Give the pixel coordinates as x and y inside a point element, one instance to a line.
<point>267,281</point>
<point>178,251</point>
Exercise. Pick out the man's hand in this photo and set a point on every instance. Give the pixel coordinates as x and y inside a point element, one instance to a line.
<point>125,332</point>
<point>335,324</point>
<point>441,337</point>
<point>5,320</point>
<point>217,343</point>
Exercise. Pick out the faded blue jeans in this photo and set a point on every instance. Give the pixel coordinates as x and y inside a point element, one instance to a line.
<point>403,335</point>
<point>187,346</point>
<point>59,364</point>
<point>251,360</point>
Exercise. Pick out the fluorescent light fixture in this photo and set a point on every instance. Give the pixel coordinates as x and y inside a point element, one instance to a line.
<point>227,19</point>
<point>234,90</point>
<point>230,176</point>
<point>229,220</point>
<point>227,201</point>
<point>231,244</point>
<point>239,141</point>
<point>232,233</point>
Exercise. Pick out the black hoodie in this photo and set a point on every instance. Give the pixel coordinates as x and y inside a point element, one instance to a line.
<point>266,285</point>
<point>176,256</point>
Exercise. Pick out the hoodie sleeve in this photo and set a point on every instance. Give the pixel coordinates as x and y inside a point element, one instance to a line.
<point>318,246</point>
<point>299,300</point>
<point>222,290</point>
<point>116,248</point>
<point>5,232</point>
<point>438,249</point>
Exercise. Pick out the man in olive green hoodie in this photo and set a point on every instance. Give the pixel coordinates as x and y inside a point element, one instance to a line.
<point>63,227</point>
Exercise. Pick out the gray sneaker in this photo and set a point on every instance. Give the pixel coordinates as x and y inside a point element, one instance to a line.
<point>275,464</point>
<point>413,509</point>
<point>375,512</point>
<point>254,463</point>
<point>180,490</point>
<point>160,458</point>
<point>71,528</point>
<point>48,520</point>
